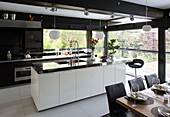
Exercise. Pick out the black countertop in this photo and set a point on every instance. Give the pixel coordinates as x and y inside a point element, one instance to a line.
<point>46,67</point>
<point>47,57</point>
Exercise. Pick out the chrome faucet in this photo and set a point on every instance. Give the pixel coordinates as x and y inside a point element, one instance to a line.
<point>76,45</point>
<point>77,48</point>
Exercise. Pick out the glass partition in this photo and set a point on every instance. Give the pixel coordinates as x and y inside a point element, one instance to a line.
<point>138,44</point>
<point>63,42</point>
<point>99,49</point>
<point>167,55</point>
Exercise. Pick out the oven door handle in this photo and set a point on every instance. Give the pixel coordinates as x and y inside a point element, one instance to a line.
<point>28,68</point>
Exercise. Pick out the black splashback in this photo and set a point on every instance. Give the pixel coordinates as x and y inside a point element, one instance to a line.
<point>10,40</point>
<point>18,41</point>
<point>33,40</point>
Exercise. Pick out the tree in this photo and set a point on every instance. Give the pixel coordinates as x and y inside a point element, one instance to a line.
<point>63,42</point>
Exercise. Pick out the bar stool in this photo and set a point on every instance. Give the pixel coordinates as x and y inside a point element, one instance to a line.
<point>136,63</point>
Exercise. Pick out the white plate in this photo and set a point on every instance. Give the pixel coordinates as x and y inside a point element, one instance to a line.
<point>164,111</point>
<point>138,97</point>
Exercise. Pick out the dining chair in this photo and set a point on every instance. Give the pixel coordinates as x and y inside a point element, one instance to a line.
<point>149,78</point>
<point>113,92</point>
<point>138,81</point>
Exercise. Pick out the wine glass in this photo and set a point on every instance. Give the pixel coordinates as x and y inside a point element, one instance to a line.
<point>134,93</point>
<point>167,90</point>
<point>156,82</point>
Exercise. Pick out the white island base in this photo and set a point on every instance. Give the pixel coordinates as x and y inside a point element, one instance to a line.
<point>57,88</point>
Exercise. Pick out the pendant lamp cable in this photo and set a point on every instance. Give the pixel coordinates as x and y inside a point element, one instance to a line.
<point>54,22</point>
<point>146,11</point>
<point>100,23</point>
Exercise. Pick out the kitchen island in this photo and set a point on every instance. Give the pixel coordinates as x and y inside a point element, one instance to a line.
<point>8,76</point>
<point>58,83</point>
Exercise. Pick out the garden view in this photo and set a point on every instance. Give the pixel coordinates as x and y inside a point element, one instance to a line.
<point>133,44</point>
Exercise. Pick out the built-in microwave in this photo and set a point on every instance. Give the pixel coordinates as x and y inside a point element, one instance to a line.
<point>22,73</point>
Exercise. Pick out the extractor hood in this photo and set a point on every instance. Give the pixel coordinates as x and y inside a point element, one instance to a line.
<point>19,24</point>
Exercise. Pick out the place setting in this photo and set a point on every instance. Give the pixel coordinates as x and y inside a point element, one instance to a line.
<point>138,98</point>
<point>158,88</point>
<point>163,111</point>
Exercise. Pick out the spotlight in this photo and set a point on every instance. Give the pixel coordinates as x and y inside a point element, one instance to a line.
<point>131,17</point>
<point>53,9</point>
<point>86,12</point>
<point>112,16</point>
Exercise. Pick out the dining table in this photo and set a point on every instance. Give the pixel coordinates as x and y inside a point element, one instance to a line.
<point>144,110</point>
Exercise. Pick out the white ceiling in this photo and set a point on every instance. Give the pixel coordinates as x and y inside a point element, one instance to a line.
<point>69,13</point>
<point>162,4</point>
<point>60,12</point>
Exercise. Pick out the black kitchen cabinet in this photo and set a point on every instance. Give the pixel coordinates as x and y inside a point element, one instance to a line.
<point>7,72</point>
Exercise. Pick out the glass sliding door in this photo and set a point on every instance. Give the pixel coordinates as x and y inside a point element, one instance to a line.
<point>138,44</point>
<point>167,55</point>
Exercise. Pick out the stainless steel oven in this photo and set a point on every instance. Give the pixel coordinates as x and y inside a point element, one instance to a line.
<point>22,73</point>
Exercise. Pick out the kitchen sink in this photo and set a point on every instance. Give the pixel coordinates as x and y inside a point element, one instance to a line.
<point>62,62</point>
<point>80,61</point>
<point>68,61</point>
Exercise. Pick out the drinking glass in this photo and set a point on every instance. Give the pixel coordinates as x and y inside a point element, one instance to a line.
<point>5,15</point>
<point>65,52</point>
<point>134,93</point>
<point>13,16</point>
<point>57,52</point>
<point>62,53</point>
<point>167,90</point>
<point>156,82</point>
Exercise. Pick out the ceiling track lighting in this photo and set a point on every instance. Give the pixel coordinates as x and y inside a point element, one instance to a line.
<point>112,16</point>
<point>131,18</point>
<point>52,9</point>
<point>86,12</point>
<point>146,27</point>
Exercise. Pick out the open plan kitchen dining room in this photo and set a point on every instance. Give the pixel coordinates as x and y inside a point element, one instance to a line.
<point>87,58</point>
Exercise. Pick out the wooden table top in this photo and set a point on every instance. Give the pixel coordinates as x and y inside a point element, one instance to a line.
<point>142,110</point>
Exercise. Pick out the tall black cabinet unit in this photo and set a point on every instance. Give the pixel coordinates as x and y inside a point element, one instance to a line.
<point>17,36</point>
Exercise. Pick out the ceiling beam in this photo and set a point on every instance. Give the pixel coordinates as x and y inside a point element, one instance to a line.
<point>109,6</point>
<point>167,13</point>
<point>155,24</point>
<point>62,22</point>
